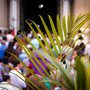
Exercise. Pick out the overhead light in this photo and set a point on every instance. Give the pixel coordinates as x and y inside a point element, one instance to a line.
<point>40,6</point>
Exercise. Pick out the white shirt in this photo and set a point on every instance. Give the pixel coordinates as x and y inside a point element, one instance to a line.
<point>10,38</point>
<point>17,79</point>
<point>7,86</point>
<point>87,50</point>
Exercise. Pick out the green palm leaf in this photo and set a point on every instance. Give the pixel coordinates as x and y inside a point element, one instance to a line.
<point>71,25</point>
<point>54,33</point>
<point>59,28</point>
<point>64,27</point>
<point>80,75</point>
<point>63,71</point>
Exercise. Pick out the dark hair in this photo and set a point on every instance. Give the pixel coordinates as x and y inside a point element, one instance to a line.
<point>79,31</point>
<point>14,41</point>
<point>4,38</point>
<point>80,49</point>
<point>10,31</point>
<point>6,77</point>
<point>82,46</point>
<point>80,37</point>
<point>19,31</point>
<point>5,32</point>
<point>16,62</point>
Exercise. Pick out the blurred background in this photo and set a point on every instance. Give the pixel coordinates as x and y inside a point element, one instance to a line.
<point>13,13</point>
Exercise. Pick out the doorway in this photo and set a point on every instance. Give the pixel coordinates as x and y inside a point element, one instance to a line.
<point>30,9</point>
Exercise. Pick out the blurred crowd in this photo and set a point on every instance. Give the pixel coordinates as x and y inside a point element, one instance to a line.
<point>11,68</point>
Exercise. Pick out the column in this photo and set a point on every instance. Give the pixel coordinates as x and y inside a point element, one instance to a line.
<point>66,8</point>
<point>61,9</point>
<point>13,15</point>
<point>66,11</point>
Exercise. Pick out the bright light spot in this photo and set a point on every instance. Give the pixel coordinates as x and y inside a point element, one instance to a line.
<point>40,6</point>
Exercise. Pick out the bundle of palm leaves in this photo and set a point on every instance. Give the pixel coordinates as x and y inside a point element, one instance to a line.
<point>63,34</point>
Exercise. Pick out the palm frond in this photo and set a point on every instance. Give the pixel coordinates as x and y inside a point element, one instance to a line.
<point>80,75</point>
<point>71,25</point>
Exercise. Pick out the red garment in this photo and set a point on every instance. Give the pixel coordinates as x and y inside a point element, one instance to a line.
<point>13,33</point>
<point>30,67</point>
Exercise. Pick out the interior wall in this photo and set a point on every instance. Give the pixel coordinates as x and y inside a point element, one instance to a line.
<point>18,14</point>
<point>4,17</point>
<point>81,7</point>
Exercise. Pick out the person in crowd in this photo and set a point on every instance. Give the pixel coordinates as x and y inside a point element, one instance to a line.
<point>1,70</point>
<point>9,36</point>
<point>67,49</point>
<point>5,33</point>
<point>5,40</point>
<point>35,42</point>
<point>30,34</point>
<point>13,32</point>
<point>47,39</point>
<point>16,51</point>
<point>78,51</point>
<point>40,85</point>
<point>79,38</point>
<point>15,44</point>
<point>87,50</point>
<point>7,57</point>
<point>6,84</point>
<point>16,75</point>
<point>43,62</point>
<point>82,49</point>
<point>23,56</point>
<point>79,34</point>
<point>3,47</point>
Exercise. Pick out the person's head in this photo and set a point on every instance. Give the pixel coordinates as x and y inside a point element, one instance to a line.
<point>10,31</point>
<point>81,49</point>
<point>18,64</point>
<point>5,32</point>
<point>29,47</point>
<point>4,38</point>
<point>79,31</point>
<point>80,37</point>
<point>6,78</point>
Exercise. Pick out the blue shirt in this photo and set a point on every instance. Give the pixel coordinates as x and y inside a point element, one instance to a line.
<point>2,50</point>
<point>23,56</point>
<point>35,42</point>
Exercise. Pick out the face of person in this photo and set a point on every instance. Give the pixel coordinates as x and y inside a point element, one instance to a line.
<point>74,54</point>
<point>20,66</point>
